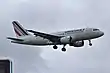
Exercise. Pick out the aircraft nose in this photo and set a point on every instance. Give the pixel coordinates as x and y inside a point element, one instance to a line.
<point>101,33</point>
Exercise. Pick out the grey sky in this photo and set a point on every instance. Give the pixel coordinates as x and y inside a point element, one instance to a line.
<point>51,16</point>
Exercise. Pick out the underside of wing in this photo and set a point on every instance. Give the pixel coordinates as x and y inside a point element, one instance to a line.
<point>50,37</point>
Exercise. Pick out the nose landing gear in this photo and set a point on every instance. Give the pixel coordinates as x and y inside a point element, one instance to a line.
<point>64,49</point>
<point>90,43</point>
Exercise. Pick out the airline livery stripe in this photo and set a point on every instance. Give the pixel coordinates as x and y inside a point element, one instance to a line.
<point>18,29</point>
<point>21,28</point>
<point>17,32</point>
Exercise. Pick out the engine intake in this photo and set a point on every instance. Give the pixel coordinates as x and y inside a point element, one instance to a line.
<point>66,40</point>
<point>77,44</point>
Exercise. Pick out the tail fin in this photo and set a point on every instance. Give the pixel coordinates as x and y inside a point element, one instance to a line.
<point>19,30</point>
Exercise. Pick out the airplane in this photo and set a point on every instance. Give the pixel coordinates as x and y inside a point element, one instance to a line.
<point>74,37</point>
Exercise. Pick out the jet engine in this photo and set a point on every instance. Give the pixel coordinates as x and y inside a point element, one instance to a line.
<point>77,43</point>
<point>66,39</point>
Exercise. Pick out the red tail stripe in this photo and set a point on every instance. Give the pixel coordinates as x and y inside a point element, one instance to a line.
<point>17,32</point>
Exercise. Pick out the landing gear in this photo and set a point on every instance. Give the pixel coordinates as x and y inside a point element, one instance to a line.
<point>55,47</point>
<point>90,43</point>
<point>64,49</point>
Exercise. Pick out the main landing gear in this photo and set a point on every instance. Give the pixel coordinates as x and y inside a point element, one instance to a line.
<point>55,47</point>
<point>63,49</point>
<point>90,43</point>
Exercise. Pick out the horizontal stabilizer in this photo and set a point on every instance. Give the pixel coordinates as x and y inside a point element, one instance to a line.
<point>15,39</point>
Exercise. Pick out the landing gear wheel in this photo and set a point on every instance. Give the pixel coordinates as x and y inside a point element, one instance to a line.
<point>63,49</point>
<point>90,44</point>
<point>55,47</point>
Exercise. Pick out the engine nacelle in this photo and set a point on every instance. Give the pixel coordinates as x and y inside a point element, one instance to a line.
<point>65,40</point>
<point>77,44</point>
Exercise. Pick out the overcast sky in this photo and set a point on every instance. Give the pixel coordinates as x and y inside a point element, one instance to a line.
<point>56,15</point>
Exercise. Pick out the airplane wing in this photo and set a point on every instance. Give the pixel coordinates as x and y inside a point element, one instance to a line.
<point>50,37</point>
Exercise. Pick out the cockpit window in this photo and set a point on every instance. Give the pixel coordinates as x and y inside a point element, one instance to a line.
<point>95,29</point>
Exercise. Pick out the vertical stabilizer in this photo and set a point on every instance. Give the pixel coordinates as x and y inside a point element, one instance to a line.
<point>19,30</point>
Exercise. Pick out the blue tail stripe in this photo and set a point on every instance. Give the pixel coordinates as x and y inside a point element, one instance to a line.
<point>14,22</point>
<point>17,28</point>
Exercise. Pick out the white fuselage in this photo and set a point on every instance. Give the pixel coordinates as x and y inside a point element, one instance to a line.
<point>77,35</point>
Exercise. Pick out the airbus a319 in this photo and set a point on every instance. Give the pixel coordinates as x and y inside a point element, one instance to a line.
<point>74,38</point>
